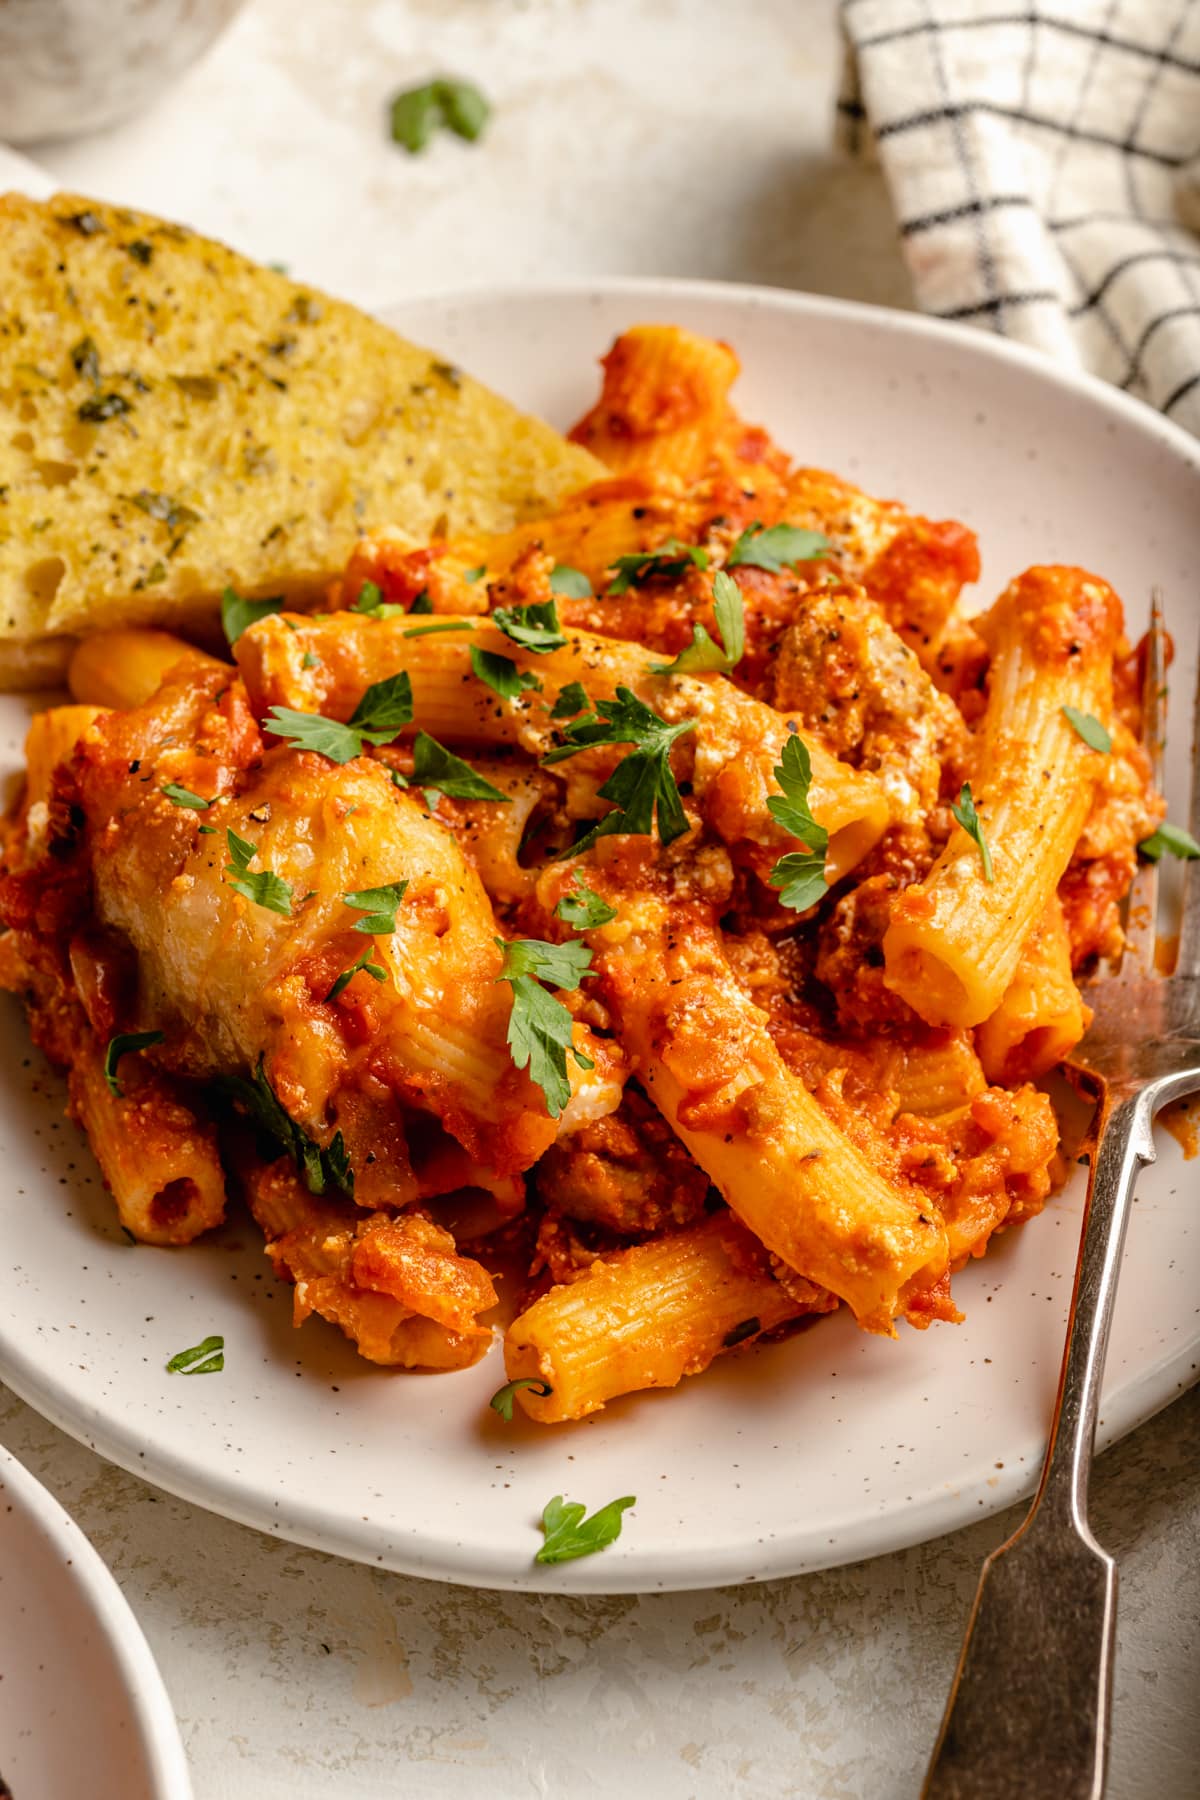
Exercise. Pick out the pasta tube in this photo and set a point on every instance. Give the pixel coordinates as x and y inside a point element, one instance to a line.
<point>1042,1016</point>
<point>124,668</point>
<point>647,1317</point>
<point>707,1060</point>
<point>737,745</point>
<point>956,938</point>
<point>51,737</point>
<point>664,400</point>
<point>159,1160</point>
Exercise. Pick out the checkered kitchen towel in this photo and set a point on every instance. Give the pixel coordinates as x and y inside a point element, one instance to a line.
<point>1044,163</point>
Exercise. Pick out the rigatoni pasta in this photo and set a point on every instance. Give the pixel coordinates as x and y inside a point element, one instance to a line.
<point>669,903</point>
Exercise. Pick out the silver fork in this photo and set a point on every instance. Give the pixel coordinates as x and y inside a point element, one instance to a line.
<point>1029,1706</point>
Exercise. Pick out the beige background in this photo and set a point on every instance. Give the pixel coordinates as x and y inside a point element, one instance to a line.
<point>636,137</point>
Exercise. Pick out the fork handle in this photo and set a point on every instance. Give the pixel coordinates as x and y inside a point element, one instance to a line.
<point>1029,1706</point>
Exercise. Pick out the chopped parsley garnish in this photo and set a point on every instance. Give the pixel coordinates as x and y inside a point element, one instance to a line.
<point>667,563</point>
<point>103,406</point>
<point>375,970</point>
<point>1089,728</point>
<point>417,112</point>
<point>438,768</point>
<point>571,583</point>
<point>571,700</point>
<point>442,625</point>
<point>642,786</point>
<point>775,547</point>
<point>379,904</point>
<point>382,713</point>
<point>583,908</point>
<point>800,875</point>
<point>569,1533</point>
<point>86,359</point>
<point>207,1358</point>
<point>502,674</point>
<point>502,1400</point>
<point>265,888</point>
<point>964,811</point>
<point>237,615</point>
<point>539,1027</point>
<point>475,574</point>
<point>534,627</point>
<point>423,602</point>
<point>120,1046</point>
<point>171,513</point>
<point>371,603</point>
<point>181,796</point>
<point>1171,840</point>
<point>702,655</point>
<point>320,1168</point>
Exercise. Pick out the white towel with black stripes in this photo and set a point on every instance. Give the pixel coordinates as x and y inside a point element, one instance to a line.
<point>1044,162</point>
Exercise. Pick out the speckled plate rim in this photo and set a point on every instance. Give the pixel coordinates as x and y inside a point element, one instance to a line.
<point>708,1558</point>
<point>151,1712</point>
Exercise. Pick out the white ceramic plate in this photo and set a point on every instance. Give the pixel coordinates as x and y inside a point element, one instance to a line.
<point>828,1448</point>
<point>82,1705</point>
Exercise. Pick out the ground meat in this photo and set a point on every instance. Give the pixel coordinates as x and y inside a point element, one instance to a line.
<point>846,675</point>
<point>627,1173</point>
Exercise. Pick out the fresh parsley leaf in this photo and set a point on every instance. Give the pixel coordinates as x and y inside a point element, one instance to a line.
<point>1172,840</point>
<point>571,583</point>
<point>423,602</point>
<point>502,674</point>
<point>702,654</point>
<point>642,786</point>
<point>371,603</point>
<point>964,811</point>
<point>181,796</point>
<point>502,1400</point>
<point>800,875</point>
<point>416,115</point>
<point>237,615</point>
<point>265,888</point>
<point>382,713</point>
<point>418,112</point>
<point>273,1123</point>
<point>539,1026</point>
<point>313,731</point>
<point>118,1047</point>
<point>208,831</point>
<point>384,710</point>
<point>207,1358</point>
<point>438,768</point>
<point>380,905</point>
<point>569,1533</point>
<point>1089,729</point>
<point>375,970</point>
<point>465,111</point>
<point>535,627</point>
<point>571,700</point>
<point>668,562</point>
<point>775,547</point>
<point>584,909</point>
<point>442,625</point>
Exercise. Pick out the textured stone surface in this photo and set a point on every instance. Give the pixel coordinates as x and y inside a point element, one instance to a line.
<point>678,137</point>
<point>295,1674</point>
